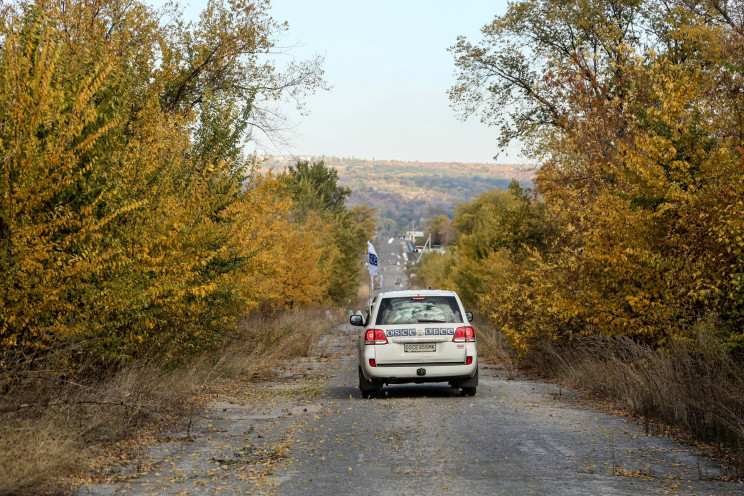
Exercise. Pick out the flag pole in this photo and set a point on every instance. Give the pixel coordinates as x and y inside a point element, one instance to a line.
<point>374,268</point>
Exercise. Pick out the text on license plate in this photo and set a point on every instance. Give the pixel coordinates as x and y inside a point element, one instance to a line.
<point>420,347</point>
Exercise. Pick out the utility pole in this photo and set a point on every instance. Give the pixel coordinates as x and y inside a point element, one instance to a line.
<point>428,243</point>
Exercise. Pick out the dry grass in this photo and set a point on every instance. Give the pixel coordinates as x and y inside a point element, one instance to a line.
<point>692,387</point>
<point>362,296</point>
<point>693,384</point>
<point>51,427</point>
<point>493,347</point>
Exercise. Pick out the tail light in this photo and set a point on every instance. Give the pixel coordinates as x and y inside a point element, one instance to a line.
<point>375,336</point>
<point>464,335</point>
<point>468,360</point>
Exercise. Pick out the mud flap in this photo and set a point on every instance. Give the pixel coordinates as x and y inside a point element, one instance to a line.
<point>366,384</point>
<point>471,382</point>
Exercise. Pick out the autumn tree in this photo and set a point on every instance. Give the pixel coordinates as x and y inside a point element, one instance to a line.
<point>441,230</point>
<point>129,223</point>
<point>341,233</point>
<point>631,109</point>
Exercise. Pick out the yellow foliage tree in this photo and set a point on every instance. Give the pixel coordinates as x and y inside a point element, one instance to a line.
<point>639,169</point>
<point>129,223</point>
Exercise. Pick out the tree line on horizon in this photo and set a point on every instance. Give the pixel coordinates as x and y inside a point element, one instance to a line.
<point>406,193</point>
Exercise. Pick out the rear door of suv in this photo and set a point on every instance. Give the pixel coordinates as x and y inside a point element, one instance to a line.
<point>419,330</point>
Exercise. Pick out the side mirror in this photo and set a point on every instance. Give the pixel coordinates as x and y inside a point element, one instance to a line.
<point>469,315</point>
<point>356,320</point>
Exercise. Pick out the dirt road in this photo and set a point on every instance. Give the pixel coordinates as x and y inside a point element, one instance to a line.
<point>309,432</point>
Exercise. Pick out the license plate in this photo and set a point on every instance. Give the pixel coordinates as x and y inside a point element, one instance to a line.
<point>420,347</point>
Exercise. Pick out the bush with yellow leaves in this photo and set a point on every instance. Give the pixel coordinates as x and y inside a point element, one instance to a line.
<point>130,223</point>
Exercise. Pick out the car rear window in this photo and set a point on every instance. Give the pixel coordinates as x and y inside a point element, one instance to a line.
<point>418,309</point>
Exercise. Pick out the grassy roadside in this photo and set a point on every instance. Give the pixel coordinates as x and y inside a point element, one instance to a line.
<point>692,390</point>
<point>52,428</point>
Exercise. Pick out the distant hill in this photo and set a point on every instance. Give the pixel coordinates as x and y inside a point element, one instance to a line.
<point>407,192</point>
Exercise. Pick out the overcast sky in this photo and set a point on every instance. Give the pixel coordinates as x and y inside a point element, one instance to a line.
<point>389,68</point>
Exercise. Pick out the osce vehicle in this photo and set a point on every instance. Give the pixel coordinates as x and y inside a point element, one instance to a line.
<point>416,336</point>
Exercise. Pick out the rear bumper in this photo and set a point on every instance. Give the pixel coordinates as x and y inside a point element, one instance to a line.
<point>400,374</point>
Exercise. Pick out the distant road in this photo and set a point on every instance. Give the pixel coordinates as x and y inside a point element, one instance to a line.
<point>393,255</point>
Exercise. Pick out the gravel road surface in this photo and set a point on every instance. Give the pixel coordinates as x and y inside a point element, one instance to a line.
<point>309,432</point>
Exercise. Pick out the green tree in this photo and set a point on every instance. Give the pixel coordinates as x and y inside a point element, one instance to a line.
<point>315,187</point>
<point>317,195</point>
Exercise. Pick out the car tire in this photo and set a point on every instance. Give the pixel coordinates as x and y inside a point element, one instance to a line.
<point>368,389</point>
<point>468,391</point>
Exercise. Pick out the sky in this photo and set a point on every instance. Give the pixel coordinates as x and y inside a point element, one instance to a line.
<point>389,69</point>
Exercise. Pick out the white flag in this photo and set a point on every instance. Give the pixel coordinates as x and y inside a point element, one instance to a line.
<point>374,267</point>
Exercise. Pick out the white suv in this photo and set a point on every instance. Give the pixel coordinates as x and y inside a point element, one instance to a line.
<point>416,336</point>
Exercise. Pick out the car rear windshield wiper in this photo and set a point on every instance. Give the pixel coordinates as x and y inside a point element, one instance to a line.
<point>426,321</point>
